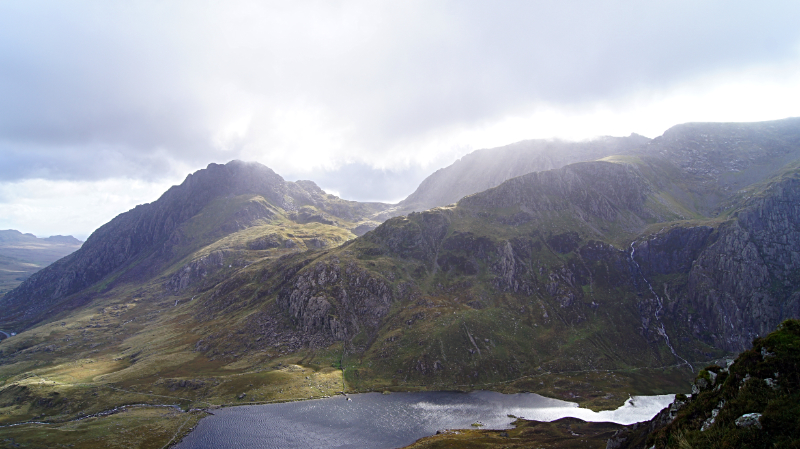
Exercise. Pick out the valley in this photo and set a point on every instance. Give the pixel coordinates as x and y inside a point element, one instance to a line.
<point>622,268</point>
<point>24,254</point>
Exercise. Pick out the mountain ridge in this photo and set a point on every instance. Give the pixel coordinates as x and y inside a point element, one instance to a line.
<point>486,168</point>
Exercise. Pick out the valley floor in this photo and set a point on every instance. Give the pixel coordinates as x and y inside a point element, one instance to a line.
<point>69,405</point>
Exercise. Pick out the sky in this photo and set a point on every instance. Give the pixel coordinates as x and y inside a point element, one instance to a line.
<point>105,104</point>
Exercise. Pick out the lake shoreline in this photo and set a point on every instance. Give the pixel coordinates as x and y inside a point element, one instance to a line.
<point>375,420</point>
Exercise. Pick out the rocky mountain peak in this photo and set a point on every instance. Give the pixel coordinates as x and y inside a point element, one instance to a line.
<point>721,150</point>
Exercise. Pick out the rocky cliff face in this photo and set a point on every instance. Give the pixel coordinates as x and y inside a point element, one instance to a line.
<point>338,301</point>
<point>747,281</point>
<point>738,277</point>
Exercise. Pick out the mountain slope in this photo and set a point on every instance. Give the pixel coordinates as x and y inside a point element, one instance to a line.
<point>751,402</point>
<point>716,158</point>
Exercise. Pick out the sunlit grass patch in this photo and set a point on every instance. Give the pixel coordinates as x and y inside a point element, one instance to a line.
<point>140,427</point>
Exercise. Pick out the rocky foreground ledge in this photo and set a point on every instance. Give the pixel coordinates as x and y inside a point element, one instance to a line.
<point>754,402</point>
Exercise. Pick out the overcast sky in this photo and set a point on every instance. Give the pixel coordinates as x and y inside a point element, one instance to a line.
<point>104,105</point>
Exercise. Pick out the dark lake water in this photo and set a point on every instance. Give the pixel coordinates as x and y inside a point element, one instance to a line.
<point>378,421</point>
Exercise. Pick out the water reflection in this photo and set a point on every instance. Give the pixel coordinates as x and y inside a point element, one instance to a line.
<point>373,420</point>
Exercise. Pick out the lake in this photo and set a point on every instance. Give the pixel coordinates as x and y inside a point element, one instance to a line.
<point>378,421</point>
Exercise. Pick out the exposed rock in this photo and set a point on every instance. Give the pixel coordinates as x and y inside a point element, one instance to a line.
<point>265,242</point>
<point>733,281</point>
<point>337,302</point>
<point>733,413</point>
<point>749,420</point>
<point>591,189</point>
<point>143,240</point>
<point>195,271</point>
<point>317,243</point>
<point>673,251</point>
<point>710,421</point>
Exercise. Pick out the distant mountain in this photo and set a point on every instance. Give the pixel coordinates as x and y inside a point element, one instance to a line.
<point>727,155</point>
<point>64,239</point>
<point>21,255</point>
<point>487,168</point>
<point>716,160</point>
<point>588,282</point>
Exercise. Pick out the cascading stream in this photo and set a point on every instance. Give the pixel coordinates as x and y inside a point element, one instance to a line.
<point>660,329</point>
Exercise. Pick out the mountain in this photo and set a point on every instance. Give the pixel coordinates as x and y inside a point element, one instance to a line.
<point>587,282</point>
<point>207,206</point>
<point>21,255</point>
<point>487,168</point>
<point>732,154</point>
<point>718,159</point>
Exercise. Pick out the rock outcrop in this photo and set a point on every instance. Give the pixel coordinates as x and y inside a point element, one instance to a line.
<point>336,300</point>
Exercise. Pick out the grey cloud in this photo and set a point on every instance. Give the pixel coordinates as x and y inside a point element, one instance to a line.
<point>81,162</point>
<point>95,89</point>
<point>511,57</point>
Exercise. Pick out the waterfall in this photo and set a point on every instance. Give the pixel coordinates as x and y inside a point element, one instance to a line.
<point>660,306</point>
